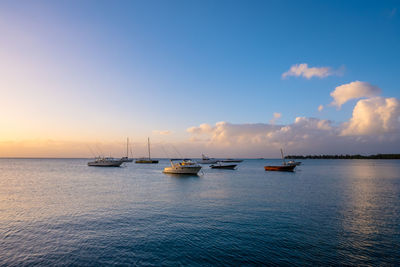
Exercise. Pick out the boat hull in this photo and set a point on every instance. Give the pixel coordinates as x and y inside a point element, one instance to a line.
<point>285,168</point>
<point>182,170</point>
<point>207,161</point>
<point>105,164</point>
<point>146,161</point>
<point>125,159</point>
<point>229,167</point>
<point>232,160</point>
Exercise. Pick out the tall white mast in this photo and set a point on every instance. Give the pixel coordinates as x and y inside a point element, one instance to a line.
<point>127,146</point>
<point>283,158</point>
<point>148,145</point>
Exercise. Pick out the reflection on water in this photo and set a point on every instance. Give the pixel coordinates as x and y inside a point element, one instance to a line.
<point>367,214</point>
<point>328,212</point>
<point>182,176</point>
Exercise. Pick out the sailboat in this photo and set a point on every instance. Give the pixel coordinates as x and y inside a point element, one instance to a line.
<point>283,168</point>
<point>127,159</point>
<point>149,159</point>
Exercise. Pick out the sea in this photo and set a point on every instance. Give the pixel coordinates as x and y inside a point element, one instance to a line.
<point>61,212</point>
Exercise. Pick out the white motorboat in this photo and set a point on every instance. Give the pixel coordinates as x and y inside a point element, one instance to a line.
<point>105,162</point>
<point>182,166</point>
<point>206,160</point>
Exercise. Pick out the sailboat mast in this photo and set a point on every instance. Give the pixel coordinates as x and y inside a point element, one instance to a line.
<point>283,159</point>
<point>127,146</point>
<point>148,145</point>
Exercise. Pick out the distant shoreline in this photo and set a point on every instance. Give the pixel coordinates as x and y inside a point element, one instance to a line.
<point>377,156</point>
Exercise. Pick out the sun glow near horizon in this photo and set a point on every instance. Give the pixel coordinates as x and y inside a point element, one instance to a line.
<point>70,79</point>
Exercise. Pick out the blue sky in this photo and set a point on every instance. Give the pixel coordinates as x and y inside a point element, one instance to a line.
<point>131,67</point>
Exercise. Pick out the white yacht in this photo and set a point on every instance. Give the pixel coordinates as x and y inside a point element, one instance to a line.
<point>206,160</point>
<point>182,166</point>
<point>105,162</point>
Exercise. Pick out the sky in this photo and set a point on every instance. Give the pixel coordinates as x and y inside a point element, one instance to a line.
<point>223,78</point>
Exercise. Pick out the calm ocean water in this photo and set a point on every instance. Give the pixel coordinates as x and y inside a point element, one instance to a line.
<point>328,212</point>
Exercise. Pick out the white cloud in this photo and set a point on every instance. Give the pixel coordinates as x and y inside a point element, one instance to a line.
<point>373,128</point>
<point>203,128</point>
<point>320,108</point>
<point>353,90</point>
<point>227,134</point>
<point>374,116</point>
<point>305,135</point>
<point>165,132</point>
<point>277,115</point>
<point>303,70</point>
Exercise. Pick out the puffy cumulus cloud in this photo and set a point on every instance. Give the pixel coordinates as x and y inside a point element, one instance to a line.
<point>353,90</point>
<point>309,72</point>
<point>303,130</point>
<point>166,132</point>
<point>374,116</point>
<point>303,136</point>
<point>227,134</point>
<point>320,107</point>
<point>203,128</point>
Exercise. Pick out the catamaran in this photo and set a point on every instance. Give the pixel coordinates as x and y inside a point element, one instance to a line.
<point>149,159</point>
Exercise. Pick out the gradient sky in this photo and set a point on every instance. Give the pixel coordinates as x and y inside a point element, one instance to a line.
<point>78,73</point>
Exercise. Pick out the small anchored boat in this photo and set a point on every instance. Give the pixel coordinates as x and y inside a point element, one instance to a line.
<point>126,158</point>
<point>223,166</point>
<point>105,162</point>
<point>182,166</point>
<point>206,160</point>
<point>292,162</point>
<point>283,168</point>
<point>148,160</point>
<point>231,160</point>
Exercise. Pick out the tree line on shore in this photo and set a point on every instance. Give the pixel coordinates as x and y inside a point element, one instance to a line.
<point>377,156</point>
